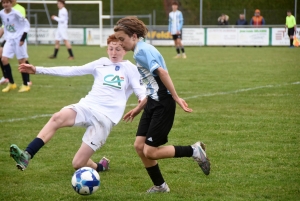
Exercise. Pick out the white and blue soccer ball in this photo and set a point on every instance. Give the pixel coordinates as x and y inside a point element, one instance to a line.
<point>85,181</point>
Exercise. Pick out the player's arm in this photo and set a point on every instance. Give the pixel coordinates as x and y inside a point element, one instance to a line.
<point>1,32</point>
<point>166,80</point>
<point>63,71</point>
<point>181,20</point>
<point>129,116</point>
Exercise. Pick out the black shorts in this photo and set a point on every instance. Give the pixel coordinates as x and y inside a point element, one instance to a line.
<point>177,36</point>
<point>3,43</point>
<point>157,121</point>
<point>291,31</point>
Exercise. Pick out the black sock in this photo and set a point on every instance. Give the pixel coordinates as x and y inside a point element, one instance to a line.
<point>25,77</point>
<point>155,175</point>
<point>183,151</point>
<point>55,52</point>
<point>1,64</point>
<point>291,42</point>
<point>182,49</point>
<point>178,50</point>
<point>8,74</point>
<point>99,167</point>
<point>28,78</point>
<point>70,52</point>
<point>34,146</point>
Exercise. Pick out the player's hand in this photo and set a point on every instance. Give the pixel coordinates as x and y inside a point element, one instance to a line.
<point>183,105</point>
<point>27,68</point>
<point>129,116</point>
<point>21,43</point>
<point>53,16</point>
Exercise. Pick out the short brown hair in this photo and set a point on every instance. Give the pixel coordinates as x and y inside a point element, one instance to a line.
<point>174,3</point>
<point>62,1</point>
<point>6,1</point>
<point>112,38</point>
<point>132,25</point>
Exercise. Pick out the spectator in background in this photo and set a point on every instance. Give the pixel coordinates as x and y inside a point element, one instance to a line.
<point>175,29</point>
<point>241,20</point>
<point>290,23</point>
<point>257,19</point>
<point>223,20</point>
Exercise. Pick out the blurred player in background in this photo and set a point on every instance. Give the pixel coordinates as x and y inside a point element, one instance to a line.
<point>175,29</point>
<point>62,30</point>
<point>16,28</point>
<point>22,10</point>
<point>290,24</point>
<point>159,108</point>
<point>114,81</point>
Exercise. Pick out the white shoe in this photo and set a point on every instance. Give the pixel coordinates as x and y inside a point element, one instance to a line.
<point>4,80</point>
<point>200,157</point>
<point>159,189</point>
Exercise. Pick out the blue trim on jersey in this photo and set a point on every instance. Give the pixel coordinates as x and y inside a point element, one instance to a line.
<point>148,59</point>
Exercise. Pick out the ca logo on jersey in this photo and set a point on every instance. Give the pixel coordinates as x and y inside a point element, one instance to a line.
<point>10,28</point>
<point>113,81</point>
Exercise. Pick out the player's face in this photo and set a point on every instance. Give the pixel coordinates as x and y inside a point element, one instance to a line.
<point>288,13</point>
<point>174,7</point>
<point>60,5</point>
<point>6,5</point>
<point>128,43</point>
<point>115,51</point>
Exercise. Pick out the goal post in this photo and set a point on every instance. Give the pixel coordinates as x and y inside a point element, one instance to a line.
<point>99,3</point>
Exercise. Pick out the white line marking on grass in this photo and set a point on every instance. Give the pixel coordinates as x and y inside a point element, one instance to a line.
<point>196,96</point>
<point>26,118</point>
<point>240,90</point>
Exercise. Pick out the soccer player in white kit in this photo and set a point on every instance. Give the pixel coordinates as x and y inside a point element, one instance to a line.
<point>175,29</point>
<point>114,81</point>
<point>16,28</point>
<point>62,28</point>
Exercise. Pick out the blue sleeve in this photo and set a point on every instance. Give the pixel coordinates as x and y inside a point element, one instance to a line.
<point>180,21</point>
<point>251,21</point>
<point>263,21</point>
<point>147,60</point>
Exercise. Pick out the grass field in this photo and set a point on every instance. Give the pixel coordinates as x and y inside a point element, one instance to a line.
<point>246,104</point>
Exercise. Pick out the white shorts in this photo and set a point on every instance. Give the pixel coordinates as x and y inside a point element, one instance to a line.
<point>12,47</point>
<point>97,129</point>
<point>61,34</point>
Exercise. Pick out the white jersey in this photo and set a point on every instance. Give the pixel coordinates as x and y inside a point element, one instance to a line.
<point>113,84</point>
<point>62,18</point>
<point>14,24</point>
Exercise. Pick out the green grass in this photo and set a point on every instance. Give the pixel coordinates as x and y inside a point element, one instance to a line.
<point>246,109</point>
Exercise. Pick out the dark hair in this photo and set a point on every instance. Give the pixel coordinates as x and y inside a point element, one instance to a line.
<point>174,3</point>
<point>6,1</point>
<point>132,25</point>
<point>62,1</point>
<point>288,11</point>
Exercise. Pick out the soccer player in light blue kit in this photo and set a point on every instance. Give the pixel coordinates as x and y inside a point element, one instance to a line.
<point>175,29</point>
<point>159,107</point>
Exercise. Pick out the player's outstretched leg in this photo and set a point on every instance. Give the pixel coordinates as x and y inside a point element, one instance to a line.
<point>21,157</point>
<point>159,189</point>
<point>105,163</point>
<point>200,157</point>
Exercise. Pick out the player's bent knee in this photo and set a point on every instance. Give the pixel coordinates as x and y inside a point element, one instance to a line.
<point>150,154</point>
<point>76,164</point>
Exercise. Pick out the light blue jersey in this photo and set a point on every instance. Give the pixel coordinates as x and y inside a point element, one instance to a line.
<point>148,59</point>
<point>175,22</point>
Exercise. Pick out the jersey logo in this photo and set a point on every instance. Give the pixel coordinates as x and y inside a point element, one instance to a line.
<point>117,68</point>
<point>10,28</point>
<point>113,81</point>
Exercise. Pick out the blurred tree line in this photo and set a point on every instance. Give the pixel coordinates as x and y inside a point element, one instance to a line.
<point>274,11</point>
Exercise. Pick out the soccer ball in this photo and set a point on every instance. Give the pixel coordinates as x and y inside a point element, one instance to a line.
<point>85,181</point>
